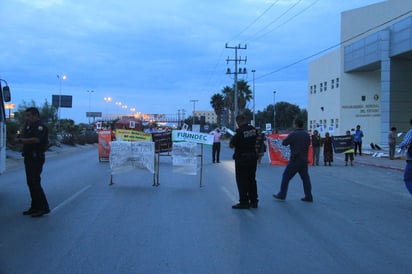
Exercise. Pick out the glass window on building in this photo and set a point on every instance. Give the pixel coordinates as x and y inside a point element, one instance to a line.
<point>337,82</point>
<point>325,86</point>
<point>332,83</point>
<point>321,87</point>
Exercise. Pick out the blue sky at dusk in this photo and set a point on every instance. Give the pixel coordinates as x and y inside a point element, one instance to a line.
<point>156,56</point>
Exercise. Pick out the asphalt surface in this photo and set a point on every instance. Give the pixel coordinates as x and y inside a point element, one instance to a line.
<point>358,222</point>
<point>375,158</point>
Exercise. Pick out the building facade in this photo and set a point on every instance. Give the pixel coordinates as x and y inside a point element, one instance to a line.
<point>368,80</point>
<point>210,116</point>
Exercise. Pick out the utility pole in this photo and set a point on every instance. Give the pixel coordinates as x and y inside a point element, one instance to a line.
<point>274,111</point>
<point>254,118</point>
<point>235,73</point>
<point>194,107</point>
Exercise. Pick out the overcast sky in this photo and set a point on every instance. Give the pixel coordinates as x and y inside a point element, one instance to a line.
<point>157,56</point>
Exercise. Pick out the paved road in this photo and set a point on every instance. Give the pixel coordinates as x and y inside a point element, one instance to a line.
<point>359,222</point>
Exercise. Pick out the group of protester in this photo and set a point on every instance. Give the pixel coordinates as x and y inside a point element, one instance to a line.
<point>354,148</point>
<point>246,144</point>
<point>299,141</point>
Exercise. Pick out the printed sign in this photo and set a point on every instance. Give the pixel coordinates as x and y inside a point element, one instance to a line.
<point>184,158</point>
<point>104,139</point>
<point>132,135</point>
<point>163,141</point>
<point>342,144</point>
<point>127,156</point>
<point>193,137</point>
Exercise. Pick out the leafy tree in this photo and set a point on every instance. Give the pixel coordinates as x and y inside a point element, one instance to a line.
<point>286,113</point>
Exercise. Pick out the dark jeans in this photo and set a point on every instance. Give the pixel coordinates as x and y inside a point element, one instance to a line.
<point>348,156</point>
<point>358,145</point>
<point>316,153</point>
<point>407,177</point>
<point>34,167</point>
<point>293,167</point>
<point>246,180</point>
<point>216,152</point>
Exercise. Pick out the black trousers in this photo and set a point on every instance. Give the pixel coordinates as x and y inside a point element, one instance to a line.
<point>293,167</point>
<point>246,180</point>
<point>216,152</point>
<point>34,167</point>
<point>358,145</point>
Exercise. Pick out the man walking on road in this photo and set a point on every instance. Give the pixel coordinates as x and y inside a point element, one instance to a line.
<point>245,156</point>
<point>299,141</point>
<point>407,144</point>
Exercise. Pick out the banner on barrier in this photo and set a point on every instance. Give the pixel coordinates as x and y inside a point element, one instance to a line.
<point>184,158</point>
<point>132,135</point>
<point>193,137</point>
<point>104,139</point>
<point>163,141</point>
<point>126,156</point>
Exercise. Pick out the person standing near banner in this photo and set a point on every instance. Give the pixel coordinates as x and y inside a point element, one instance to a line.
<point>392,143</point>
<point>299,142</point>
<point>349,152</point>
<point>327,150</point>
<point>216,145</point>
<point>245,156</point>
<point>358,135</point>
<point>316,144</point>
<point>406,144</point>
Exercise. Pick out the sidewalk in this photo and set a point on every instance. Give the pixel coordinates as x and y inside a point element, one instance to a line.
<point>376,158</point>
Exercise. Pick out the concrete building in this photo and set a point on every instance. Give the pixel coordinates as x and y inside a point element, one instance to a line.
<point>368,80</point>
<point>210,116</point>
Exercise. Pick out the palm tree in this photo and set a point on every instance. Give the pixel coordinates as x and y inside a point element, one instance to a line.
<point>228,94</point>
<point>218,104</point>
<point>244,94</point>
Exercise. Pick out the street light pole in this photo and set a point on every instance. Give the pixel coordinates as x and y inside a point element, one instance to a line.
<point>90,103</point>
<point>61,78</point>
<point>254,121</point>
<point>107,100</point>
<point>194,106</point>
<point>274,111</point>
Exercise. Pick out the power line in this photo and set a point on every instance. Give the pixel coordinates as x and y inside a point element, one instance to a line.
<point>257,19</point>
<point>334,46</point>
<point>288,20</point>
<point>277,18</point>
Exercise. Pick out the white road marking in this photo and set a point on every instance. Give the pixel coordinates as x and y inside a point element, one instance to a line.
<point>71,198</point>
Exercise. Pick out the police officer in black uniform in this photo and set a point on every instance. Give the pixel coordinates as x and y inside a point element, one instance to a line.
<point>299,142</point>
<point>245,156</point>
<point>35,140</point>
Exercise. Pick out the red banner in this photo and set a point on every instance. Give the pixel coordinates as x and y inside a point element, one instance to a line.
<point>279,154</point>
<point>104,137</point>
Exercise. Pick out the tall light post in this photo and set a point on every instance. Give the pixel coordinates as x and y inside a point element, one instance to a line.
<point>254,121</point>
<point>90,103</point>
<point>274,111</point>
<point>107,99</point>
<point>61,79</point>
<point>194,107</point>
